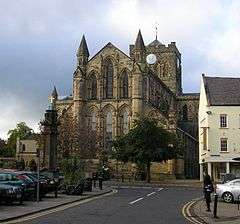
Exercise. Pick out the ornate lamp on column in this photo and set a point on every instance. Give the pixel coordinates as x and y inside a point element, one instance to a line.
<point>50,124</point>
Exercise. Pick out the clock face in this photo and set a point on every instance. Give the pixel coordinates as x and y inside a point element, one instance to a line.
<point>151,59</point>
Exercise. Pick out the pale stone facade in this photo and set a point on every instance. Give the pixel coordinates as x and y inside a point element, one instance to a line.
<point>111,89</point>
<point>219,126</point>
<point>26,150</point>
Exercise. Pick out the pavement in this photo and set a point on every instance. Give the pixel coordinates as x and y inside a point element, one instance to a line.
<point>227,213</point>
<point>165,183</point>
<point>11,212</point>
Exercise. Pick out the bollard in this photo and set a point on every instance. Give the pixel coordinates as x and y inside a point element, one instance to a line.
<point>100,183</point>
<point>56,190</point>
<point>238,201</point>
<point>215,206</point>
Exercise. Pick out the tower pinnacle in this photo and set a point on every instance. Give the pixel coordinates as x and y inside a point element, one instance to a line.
<point>139,44</point>
<point>54,94</point>
<point>83,49</point>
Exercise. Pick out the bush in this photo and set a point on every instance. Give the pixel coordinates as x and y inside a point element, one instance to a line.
<point>72,170</point>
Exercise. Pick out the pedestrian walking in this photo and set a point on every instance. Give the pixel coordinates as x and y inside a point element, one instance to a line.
<point>207,190</point>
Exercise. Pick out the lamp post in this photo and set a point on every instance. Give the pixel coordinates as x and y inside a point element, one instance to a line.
<point>50,124</point>
<point>38,176</point>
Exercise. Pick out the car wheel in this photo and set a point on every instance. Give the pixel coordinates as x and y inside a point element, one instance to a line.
<point>228,197</point>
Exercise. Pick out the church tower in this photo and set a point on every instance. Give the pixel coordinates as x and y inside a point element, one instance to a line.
<point>139,54</point>
<point>79,80</point>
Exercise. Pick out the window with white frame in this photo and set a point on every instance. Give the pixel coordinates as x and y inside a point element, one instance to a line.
<point>223,120</point>
<point>224,144</point>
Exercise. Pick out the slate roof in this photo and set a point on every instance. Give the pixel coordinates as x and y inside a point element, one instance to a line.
<point>222,91</point>
<point>155,43</point>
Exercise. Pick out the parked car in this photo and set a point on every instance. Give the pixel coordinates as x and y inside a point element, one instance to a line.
<point>14,179</point>
<point>9,194</point>
<point>228,177</point>
<point>229,191</point>
<point>43,183</point>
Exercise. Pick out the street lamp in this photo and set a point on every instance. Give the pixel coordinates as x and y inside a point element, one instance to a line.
<point>38,175</point>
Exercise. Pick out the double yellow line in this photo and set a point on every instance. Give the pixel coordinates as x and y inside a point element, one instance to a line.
<point>187,214</point>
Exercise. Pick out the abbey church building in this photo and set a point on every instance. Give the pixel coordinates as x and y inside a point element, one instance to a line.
<point>111,88</point>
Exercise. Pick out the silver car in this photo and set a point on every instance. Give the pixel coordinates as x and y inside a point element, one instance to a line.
<point>229,191</point>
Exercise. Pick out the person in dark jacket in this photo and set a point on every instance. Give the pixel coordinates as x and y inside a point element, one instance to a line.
<point>207,190</point>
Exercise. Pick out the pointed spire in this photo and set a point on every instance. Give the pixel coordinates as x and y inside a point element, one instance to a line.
<point>139,44</point>
<point>54,93</point>
<point>83,49</point>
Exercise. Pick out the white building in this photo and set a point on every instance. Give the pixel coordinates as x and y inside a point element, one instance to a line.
<point>219,126</point>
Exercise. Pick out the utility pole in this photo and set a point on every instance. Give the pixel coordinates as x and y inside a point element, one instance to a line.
<point>38,176</point>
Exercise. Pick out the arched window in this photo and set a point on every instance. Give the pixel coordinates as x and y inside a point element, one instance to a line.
<point>185,113</point>
<point>92,121</point>
<point>109,122</point>
<point>108,131</point>
<point>124,85</point>
<point>124,122</point>
<point>92,87</point>
<point>109,79</point>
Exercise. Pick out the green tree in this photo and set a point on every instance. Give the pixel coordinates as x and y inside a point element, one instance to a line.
<point>73,170</point>
<point>146,142</point>
<point>3,147</point>
<point>21,131</point>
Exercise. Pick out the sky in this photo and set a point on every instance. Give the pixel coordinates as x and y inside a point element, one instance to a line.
<point>39,39</point>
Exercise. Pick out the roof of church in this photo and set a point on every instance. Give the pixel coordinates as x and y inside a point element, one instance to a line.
<point>155,43</point>
<point>222,91</point>
<point>109,44</point>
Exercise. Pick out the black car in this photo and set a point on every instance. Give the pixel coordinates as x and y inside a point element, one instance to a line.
<point>10,194</point>
<point>46,184</point>
<point>14,179</point>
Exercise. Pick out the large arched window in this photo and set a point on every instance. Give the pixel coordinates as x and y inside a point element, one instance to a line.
<point>124,122</point>
<point>108,79</point>
<point>124,85</point>
<point>109,122</point>
<point>92,87</point>
<point>92,121</point>
<point>108,131</point>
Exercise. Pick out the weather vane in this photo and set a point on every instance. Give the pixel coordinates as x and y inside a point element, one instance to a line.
<point>156,30</point>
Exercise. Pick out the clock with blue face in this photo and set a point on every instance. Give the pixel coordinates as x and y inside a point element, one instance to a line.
<point>151,59</point>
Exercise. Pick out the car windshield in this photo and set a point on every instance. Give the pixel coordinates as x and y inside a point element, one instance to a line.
<point>5,177</point>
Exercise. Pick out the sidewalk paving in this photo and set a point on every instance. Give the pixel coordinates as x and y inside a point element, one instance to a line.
<point>9,212</point>
<point>169,183</point>
<point>227,213</point>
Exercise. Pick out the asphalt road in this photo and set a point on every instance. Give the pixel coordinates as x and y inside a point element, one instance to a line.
<point>128,206</point>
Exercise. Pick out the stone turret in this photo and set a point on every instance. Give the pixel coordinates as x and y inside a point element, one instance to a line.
<point>53,98</point>
<point>79,81</point>
<point>82,53</point>
<point>139,50</point>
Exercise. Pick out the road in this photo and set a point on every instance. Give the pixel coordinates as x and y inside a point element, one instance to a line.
<point>128,206</point>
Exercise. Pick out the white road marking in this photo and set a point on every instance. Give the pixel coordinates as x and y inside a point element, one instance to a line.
<point>132,202</point>
<point>131,187</point>
<point>159,189</point>
<point>151,193</point>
